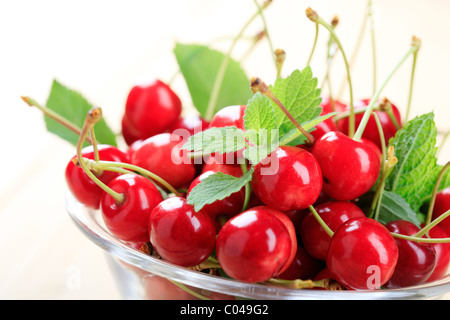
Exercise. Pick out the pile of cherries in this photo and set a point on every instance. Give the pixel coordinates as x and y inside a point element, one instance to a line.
<point>303,221</point>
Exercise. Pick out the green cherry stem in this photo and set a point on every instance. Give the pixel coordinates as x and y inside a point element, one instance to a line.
<point>94,115</point>
<point>411,84</point>
<point>431,224</point>
<point>313,16</point>
<point>224,64</point>
<point>314,44</point>
<point>302,284</point>
<point>321,222</point>
<point>248,187</point>
<point>111,165</point>
<point>263,19</point>
<point>415,44</point>
<point>55,116</point>
<point>435,191</point>
<point>331,53</point>
<point>388,166</point>
<point>257,85</point>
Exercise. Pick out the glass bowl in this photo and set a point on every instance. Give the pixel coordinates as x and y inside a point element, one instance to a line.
<point>142,277</point>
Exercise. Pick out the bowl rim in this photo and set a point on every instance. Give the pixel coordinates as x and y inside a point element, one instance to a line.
<point>90,223</point>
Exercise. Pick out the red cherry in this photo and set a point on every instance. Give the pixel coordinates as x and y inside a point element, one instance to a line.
<point>81,185</point>
<point>328,124</point>
<point>129,220</point>
<point>286,220</point>
<point>442,250</point>
<point>362,254</point>
<point>229,206</point>
<point>179,234</point>
<point>371,131</point>
<point>150,109</point>
<point>333,213</point>
<point>290,180</point>
<point>191,124</point>
<point>303,266</point>
<point>349,168</point>
<point>441,205</point>
<point>253,246</point>
<point>228,117</point>
<point>416,260</point>
<point>162,155</point>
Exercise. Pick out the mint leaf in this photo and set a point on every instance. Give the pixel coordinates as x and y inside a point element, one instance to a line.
<point>299,94</point>
<point>199,66</point>
<point>394,207</point>
<point>217,186</point>
<point>74,107</point>
<point>223,140</point>
<point>259,115</point>
<point>415,148</point>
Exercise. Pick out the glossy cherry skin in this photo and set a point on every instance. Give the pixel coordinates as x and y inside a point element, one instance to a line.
<point>189,125</point>
<point>228,207</point>
<point>334,213</point>
<point>441,205</point>
<point>81,185</point>
<point>416,260</point>
<point>230,116</point>
<point>179,234</point>
<point>151,108</point>
<point>303,266</point>
<point>253,246</point>
<point>371,130</point>
<point>162,155</point>
<point>442,250</point>
<point>328,124</point>
<point>290,180</point>
<point>128,220</point>
<point>349,168</point>
<point>362,254</point>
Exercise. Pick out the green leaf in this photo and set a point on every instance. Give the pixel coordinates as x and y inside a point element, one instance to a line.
<point>414,175</point>
<point>216,186</point>
<point>299,94</point>
<point>259,115</point>
<point>199,66</point>
<point>223,140</point>
<point>74,107</point>
<point>394,207</point>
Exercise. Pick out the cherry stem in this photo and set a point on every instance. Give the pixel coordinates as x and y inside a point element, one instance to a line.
<point>55,116</point>
<point>435,192</point>
<point>346,114</point>
<point>418,236</point>
<point>388,166</point>
<point>327,284</point>
<point>94,115</point>
<point>386,106</point>
<point>411,84</point>
<point>263,19</point>
<point>313,16</point>
<point>362,31</point>
<point>314,44</point>
<point>443,141</point>
<point>112,165</point>
<point>248,187</point>
<point>257,85</point>
<point>331,52</point>
<point>256,39</point>
<point>184,288</point>
<point>280,56</point>
<point>223,68</point>
<point>321,222</point>
<point>415,45</point>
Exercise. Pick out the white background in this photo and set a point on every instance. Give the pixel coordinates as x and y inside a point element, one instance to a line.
<point>101,48</point>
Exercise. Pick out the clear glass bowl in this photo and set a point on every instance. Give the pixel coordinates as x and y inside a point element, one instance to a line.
<point>140,276</point>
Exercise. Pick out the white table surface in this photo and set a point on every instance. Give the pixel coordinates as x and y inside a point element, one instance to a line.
<point>101,48</point>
